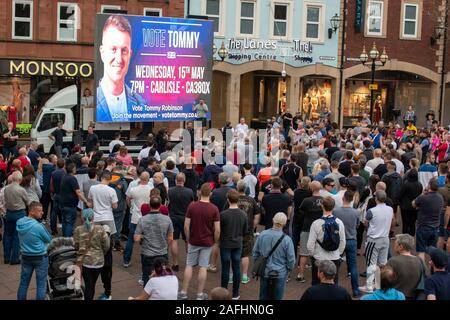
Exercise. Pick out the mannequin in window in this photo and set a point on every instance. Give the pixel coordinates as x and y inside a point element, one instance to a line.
<point>87,100</point>
<point>314,106</point>
<point>378,109</point>
<point>306,102</point>
<point>18,96</point>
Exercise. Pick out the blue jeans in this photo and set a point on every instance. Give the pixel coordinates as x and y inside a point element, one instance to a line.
<point>350,253</point>
<point>264,288</point>
<point>118,221</point>
<point>38,264</point>
<point>129,248</point>
<point>426,236</point>
<point>69,217</point>
<point>11,245</point>
<point>233,255</point>
<point>55,214</point>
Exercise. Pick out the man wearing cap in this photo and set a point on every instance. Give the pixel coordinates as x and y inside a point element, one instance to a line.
<point>379,221</point>
<point>326,289</point>
<point>281,261</point>
<point>437,287</point>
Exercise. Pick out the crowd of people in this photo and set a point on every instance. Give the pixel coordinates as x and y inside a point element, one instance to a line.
<point>323,196</point>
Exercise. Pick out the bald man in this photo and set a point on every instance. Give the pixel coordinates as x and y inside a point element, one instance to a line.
<point>309,210</point>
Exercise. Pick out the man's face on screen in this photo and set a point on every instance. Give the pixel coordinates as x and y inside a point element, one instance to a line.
<point>116,53</point>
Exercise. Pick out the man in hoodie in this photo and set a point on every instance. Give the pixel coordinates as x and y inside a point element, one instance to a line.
<point>33,238</point>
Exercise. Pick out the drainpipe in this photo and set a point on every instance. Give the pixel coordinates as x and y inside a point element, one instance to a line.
<point>341,68</point>
<point>444,53</point>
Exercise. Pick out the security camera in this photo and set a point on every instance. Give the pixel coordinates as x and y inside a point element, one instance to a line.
<point>283,73</point>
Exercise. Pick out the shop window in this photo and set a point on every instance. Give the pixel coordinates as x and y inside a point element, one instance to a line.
<point>67,21</point>
<point>50,120</point>
<point>152,12</point>
<point>280,20</point>
<point>375,18</point>
<point>212,10</point>
<point>22,22</point>
<point>247,19</point>
<point>314,19</point>
<point>316,95</point>
<point>410,20</point>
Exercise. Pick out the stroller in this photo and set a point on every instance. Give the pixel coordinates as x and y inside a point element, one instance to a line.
<point>63,283</point>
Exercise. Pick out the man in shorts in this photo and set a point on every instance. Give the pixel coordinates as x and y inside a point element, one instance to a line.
<point>180,198</point>
<point>202,229</point>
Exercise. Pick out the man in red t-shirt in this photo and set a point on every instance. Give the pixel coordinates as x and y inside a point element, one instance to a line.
<point>202,229</point>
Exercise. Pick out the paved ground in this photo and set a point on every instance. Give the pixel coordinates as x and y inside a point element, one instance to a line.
<point>125,280</point>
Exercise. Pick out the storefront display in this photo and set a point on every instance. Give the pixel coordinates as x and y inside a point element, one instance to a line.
<point>15,94</point>
<point>316,96</point>
<point>358,103</point>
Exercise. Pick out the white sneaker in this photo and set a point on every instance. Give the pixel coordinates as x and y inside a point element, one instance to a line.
<point>366,289</point>
<point>236,298</point>
<point>202,296</point>
<point>59,225</point>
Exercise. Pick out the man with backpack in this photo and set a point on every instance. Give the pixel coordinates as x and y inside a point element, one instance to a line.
<point>379,221</point>
<point>170,173</point>
<point>326,239</point>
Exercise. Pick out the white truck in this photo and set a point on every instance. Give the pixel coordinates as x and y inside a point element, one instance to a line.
<point>64,106</point>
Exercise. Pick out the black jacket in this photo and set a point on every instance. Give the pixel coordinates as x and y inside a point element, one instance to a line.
<point>410,190</point>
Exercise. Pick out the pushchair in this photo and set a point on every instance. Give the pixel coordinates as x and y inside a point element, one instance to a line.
<point>63,283</point>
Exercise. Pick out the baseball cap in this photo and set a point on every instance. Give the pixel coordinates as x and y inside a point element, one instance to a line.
<point>280,218</point>
<point>438,256</point>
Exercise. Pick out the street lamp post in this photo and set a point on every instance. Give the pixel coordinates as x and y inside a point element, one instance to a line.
<point>373,60</point>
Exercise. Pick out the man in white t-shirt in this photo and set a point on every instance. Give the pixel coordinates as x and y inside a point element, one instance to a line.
<point>242,127</point>
<point>104,199</point>
<point>115,141</point>
<point>136,197</point>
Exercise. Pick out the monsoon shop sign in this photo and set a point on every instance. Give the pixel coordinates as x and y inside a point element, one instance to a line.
<point>46,68</point>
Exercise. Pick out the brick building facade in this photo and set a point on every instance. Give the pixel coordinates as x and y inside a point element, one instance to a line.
<point>412,76</point>
<point>38,36</point>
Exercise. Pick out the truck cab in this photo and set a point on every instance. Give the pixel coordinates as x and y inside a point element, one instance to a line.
<point>64,106</point>
<point>57,108</point>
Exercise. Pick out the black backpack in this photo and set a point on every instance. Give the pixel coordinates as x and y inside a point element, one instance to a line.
<point>170,178</point>
<point>331,238</point>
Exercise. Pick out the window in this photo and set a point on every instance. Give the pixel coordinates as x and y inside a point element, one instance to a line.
<point>375,18</point>
<point>247,20</point>
<point>22,22</point>
<point>106,7</point>
<point>50,121</point>
<point>410,20</point>
<point>313,27</point>
<point>67,21</point>
<point>280,26</point>
<point>152,12</point>
<point>213,13</point>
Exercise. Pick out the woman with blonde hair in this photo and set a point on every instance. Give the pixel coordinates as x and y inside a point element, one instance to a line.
<point>124,156</point>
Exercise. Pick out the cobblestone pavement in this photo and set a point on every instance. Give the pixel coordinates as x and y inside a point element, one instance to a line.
<point>125,280</point>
